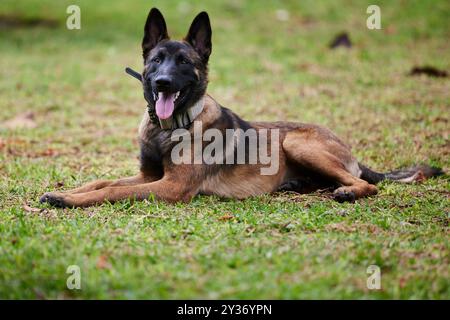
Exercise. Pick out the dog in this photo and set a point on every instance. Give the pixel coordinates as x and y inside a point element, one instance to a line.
<point>174,80</point>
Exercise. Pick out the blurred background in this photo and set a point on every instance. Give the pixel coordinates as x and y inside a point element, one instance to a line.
<point>271,60</point>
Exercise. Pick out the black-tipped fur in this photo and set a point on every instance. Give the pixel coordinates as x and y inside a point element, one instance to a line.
<point>402,175</point>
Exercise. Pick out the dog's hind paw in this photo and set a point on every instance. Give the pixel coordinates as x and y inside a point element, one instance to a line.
<point>294,185</point>
<point>54,199</point>
<point>344,196</point>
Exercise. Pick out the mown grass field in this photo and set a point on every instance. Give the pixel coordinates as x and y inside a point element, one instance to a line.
<point>86,113</point>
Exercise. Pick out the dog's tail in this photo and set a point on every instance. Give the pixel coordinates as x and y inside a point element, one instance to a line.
<point>408,175</point>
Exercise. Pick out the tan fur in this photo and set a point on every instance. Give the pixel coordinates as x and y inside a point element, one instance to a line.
<point>328,157</point>
<point>243,182</point>
<point>309,147</point>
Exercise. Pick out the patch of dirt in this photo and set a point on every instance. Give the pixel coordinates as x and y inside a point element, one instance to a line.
<point>351,228</point>
<point>444,221</point>
<point>306,200</point>
<point>16,22</point>
<point>49,152</point>
<point>22,120</point>
<point>19,147</point>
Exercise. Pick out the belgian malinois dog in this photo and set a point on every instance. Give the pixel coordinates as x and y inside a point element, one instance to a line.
<point>174,79</point>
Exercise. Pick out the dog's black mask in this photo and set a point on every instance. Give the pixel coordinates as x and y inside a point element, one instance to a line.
<point>175,73</point>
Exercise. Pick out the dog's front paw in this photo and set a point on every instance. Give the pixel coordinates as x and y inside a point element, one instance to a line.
<point>55,199</point>
<point>343,195</point>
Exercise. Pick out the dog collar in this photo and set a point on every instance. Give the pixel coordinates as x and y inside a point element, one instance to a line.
<point>179,119</point>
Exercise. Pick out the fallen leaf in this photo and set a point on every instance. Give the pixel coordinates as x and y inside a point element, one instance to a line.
<point>59,184</point>
<point>226,217</point>
<point>102,262</point>
<point>250,230</point>
<point>27,208</point>
<point>47,153</point>
<point>23,120</point>
<point>117,231</point>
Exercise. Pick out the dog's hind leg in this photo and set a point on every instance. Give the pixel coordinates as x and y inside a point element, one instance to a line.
<point>324,154</point>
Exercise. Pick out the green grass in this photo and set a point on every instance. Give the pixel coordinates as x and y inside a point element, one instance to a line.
<point>275,246</point>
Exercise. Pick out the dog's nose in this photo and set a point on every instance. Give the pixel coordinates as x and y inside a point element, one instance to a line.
<point>163,81</point>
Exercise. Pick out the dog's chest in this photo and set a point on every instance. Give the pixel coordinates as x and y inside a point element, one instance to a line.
<point>154,143</point>
<point>151,135</point>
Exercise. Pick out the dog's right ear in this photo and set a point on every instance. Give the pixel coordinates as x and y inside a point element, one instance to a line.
<point>155,30</point>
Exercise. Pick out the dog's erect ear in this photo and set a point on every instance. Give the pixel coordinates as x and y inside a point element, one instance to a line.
<point>155,30</point>
<point>199,35</point>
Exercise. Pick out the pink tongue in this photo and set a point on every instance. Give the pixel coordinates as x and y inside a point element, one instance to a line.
<point>165,105</point>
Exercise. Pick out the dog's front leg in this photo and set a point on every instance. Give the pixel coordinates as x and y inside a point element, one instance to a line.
<point>166,189</point>
<point>129,181</point>
<point>100,184</point>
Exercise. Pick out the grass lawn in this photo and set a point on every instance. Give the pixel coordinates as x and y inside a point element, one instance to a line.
<point>86,112</point>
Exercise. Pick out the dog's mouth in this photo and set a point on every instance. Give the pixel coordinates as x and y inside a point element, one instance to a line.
<point>165,103</point>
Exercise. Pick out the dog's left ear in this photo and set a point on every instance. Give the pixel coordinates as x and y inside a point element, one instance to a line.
<point>199,35</point>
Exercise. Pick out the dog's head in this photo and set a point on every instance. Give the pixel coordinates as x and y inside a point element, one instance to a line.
<point>175,72</point>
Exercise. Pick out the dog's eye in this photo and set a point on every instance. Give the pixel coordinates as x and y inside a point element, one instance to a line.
<point>156,60</point>
<point>184,61</point>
